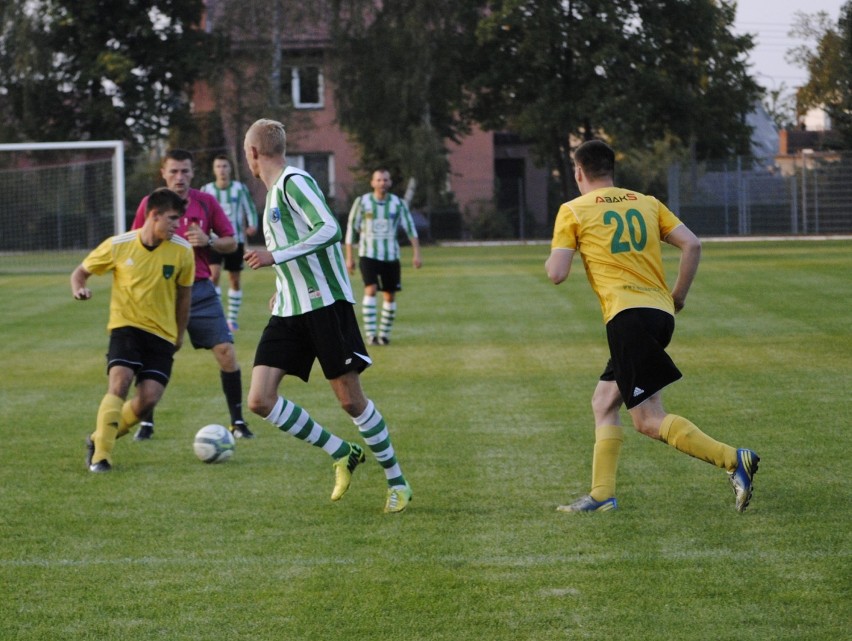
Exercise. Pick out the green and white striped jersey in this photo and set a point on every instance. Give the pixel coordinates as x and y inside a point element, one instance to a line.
<point>238,205</point>
<point>373,224</point>
<point>304,237</point>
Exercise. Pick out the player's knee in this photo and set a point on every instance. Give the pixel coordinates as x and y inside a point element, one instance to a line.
<point>260,405</point>
<point>604,404</point>
<point>226,356</point>
<point>647,428</point>
<point>351,406</point>
<point>647,424</point>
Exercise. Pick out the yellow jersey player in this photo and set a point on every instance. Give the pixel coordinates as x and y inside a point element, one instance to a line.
<point>153,270</point>
<point>618,233</point>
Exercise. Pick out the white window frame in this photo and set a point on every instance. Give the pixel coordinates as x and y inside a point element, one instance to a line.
<point>296,90</point>
<point>298,160</point>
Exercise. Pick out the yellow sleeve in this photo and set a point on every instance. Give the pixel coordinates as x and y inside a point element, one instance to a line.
<point>565,229</point>
<point>668,221</point>
<point>100,260</point>
<point>187,273</point>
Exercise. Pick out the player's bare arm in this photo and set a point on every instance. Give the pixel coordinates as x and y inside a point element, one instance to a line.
<point>350,261</point>
<point>197,238</point>
<point>690,247</point>
<point>257,258</point>
<point>416,260</point>
<point>558,264</point>
<point>79,277</point>
<point>184,302</point>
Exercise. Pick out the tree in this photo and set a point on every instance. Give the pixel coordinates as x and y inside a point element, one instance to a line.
<point>399,68</point>
<point>780,104</point>
<point>556,71</point>
<point>94,69</point>
<point>829,66</point>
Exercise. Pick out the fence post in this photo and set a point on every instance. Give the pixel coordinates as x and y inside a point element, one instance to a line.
<point>726,196</point>
<point>804,194</point>
<point>521,208</point>
<point>741,214</point>
<point>816,198</point>
<point>794,202</point>
<point>674,188</point>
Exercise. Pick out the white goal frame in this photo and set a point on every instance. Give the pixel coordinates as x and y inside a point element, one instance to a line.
<point>118,207</point>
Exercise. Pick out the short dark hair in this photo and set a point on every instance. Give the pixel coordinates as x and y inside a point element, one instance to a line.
<point>163,199</point>
<point>222,157</point>
<point>179,155</point>
<point>596,159</point>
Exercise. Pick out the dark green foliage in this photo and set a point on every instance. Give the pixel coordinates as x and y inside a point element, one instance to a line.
<point>86,69</point>
<point>829,66</point>
<point>400,73</point>
<point>634,72</point>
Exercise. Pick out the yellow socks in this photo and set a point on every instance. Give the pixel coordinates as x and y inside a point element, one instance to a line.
<point>608,440</point>
<point>675,431</point>
<point>687,438</point>
<point>109,415</point>
<point>128,419</point>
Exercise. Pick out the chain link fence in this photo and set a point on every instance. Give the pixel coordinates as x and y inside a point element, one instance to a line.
<point>809,193</point>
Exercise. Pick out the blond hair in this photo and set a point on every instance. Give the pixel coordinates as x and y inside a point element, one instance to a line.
<point>269,137</point>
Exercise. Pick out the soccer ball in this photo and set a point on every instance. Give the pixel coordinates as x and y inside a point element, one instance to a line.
<point>214,444</point>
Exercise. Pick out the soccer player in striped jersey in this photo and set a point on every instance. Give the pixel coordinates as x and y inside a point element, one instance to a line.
<point>618,233</point>
<point>238,205</point>
<point>153,270</point>
<point>374,221</point>
<point>313,317</point>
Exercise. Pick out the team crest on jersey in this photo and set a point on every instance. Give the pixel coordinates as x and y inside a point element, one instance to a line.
<point>275,214</point>
<point>168,271</point>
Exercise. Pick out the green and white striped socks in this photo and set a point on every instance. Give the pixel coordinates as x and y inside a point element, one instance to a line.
<point>388,315</point>
<point>368,312</point>
<point>290,418</point>
<point>235,301</point>
<point>375,433</point>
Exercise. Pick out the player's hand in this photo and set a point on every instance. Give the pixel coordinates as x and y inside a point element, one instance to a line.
<point>195,236</point>
<point>679,302</point>
<point>257,258</point>
<point>251,231</point>
<point>83,293</point>
<point>417,262</point>
<point>350,266</point>
<point>179,343</point>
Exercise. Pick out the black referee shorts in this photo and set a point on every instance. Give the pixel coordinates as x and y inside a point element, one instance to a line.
<point>638,362</point>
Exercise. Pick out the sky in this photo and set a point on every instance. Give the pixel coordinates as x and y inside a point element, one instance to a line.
<point>770,21</point>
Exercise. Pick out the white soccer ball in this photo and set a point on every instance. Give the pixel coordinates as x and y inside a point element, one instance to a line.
<point>214,444</point>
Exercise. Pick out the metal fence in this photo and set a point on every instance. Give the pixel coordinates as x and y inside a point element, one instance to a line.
<point>809,193</point>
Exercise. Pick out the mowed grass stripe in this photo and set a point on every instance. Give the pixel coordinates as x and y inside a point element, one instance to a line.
<point>485,389</point>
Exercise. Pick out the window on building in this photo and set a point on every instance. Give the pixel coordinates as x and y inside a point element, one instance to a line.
<point>320,166</point>
<point>304,85</point>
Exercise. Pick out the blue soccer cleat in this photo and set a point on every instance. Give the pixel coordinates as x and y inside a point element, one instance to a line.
<point>588,504</point>
<point>742,478</point>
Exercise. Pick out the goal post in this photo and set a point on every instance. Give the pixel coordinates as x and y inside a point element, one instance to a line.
<point>58,198</point>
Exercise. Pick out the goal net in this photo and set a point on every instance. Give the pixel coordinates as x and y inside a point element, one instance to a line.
<point>57,202</point>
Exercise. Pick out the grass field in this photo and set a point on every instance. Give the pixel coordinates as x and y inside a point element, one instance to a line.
<point>486,391</point>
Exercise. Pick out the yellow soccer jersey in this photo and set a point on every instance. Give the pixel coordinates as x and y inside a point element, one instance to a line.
<point>618,233</point>
<point>145,281</point>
